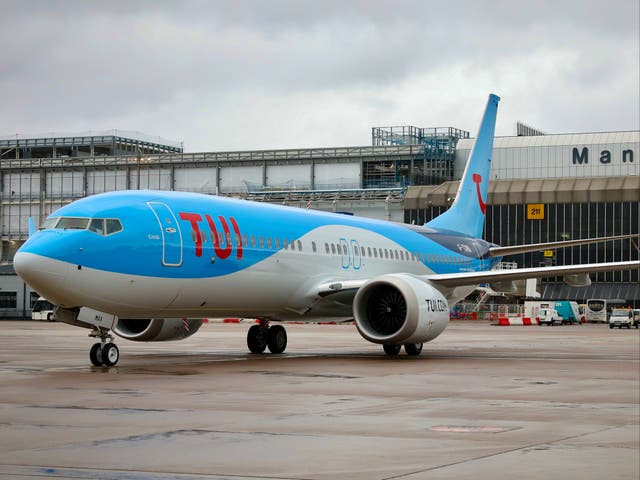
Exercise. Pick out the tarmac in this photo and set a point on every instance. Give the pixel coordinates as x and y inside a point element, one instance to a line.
<point>481,402</point>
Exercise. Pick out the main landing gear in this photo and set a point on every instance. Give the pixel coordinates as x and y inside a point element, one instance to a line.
<point>261,336</point>
<point>105,352</point>
<point>412,349</point>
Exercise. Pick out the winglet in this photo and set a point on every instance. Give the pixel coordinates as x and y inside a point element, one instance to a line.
<point>466,214</point>
<point>32,226</point>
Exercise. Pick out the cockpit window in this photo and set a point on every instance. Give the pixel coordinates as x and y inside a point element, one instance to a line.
<point>49,223</point>
<point>100,226</point>
<point>72,223</point>
<point>97,226</point>
<point>113,225</point>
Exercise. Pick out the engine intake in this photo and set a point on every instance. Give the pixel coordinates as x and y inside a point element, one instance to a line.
<point>399,309</point>
<point>156,329</point>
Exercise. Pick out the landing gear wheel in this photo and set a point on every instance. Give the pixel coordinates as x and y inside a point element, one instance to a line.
<point>256,339</point>
<point>95,354</point>
<point>277,339</point>
<point>110,354</point>
<point>391,349</point>
<point>413,349</point>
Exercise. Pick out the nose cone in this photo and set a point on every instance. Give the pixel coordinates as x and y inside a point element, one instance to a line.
<point>45,275</point>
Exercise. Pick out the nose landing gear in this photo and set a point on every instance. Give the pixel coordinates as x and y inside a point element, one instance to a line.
<point>105,352</point>
<point>261,336</point>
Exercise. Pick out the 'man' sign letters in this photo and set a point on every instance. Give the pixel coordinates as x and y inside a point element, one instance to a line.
<point>581,157</point>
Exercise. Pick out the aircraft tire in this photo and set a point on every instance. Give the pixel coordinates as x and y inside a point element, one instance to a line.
<point>110,354</point>
<point>391,349</point>
<point>277,339</point>
<point>256,339</point>
<point>413,349</point>
<point>95,354</point>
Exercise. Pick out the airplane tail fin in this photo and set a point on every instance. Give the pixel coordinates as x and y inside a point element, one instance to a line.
<point>466,214</point>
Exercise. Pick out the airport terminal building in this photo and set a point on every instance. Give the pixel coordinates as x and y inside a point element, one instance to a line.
<point>544,188</point>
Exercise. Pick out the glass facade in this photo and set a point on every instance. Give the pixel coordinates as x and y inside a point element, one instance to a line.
<point>508,225</point>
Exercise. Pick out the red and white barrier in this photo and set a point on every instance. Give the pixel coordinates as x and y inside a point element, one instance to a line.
<point>509,321</point>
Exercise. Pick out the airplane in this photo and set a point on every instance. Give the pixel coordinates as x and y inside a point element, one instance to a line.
<point>150,265</point>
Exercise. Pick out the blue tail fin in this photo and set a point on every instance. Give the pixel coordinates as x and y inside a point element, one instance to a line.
<point>466,215</point>
<point>32,226</point>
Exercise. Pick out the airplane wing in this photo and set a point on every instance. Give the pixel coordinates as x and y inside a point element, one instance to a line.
<point>537,247</point>
<point>451,280</point>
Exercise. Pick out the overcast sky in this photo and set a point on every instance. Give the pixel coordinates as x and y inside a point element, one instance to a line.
<point>236,75</point>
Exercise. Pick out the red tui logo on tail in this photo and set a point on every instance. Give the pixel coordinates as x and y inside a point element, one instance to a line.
<point>477,179</point>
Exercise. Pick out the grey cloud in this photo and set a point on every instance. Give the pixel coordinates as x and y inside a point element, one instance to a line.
<point>78,62</point>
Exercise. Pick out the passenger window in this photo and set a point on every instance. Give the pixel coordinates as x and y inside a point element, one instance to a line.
<point>293,244</point>
<point>261,241</point>
<point>369,251</point>
<point>253,241</point>
<point>285,243</point>
<point>326,247</point>
<point>333,249</point>
<point>299,246</point>
<point>277,243</point>
<point>375,252</point>
<point>269,243</point>
<point>362,252</point>
<point>396,254</point>
<point>113,226</point>
<point>97,226</point>
<point>386,253</point>
<point>245,243</point>
<point>313,247</point>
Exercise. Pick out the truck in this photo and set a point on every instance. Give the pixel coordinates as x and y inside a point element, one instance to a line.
<point>560,312</point>
<point>42,310</point>
<point>569,311</point>
<point>549,316</point>
<point>624,317</point>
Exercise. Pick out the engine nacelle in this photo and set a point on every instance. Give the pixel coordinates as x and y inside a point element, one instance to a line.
<point>156,329</point>
<point>399,309</point>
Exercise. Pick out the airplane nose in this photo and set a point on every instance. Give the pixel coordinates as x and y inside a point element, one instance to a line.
<point>44,275</point>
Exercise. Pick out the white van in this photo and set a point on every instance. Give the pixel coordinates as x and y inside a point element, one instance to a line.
<point>42,310</point>
<point>549,316</point>
<point>622,317</point>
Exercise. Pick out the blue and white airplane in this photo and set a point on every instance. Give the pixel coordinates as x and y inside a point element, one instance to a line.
<point>145,264</point>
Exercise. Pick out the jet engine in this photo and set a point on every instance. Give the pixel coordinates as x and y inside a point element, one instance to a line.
<point>400,309</point>
<point>156,329</point>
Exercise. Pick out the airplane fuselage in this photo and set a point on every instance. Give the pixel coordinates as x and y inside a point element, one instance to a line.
<point>181,254</point>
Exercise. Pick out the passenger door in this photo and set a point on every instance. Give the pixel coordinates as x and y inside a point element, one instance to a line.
<point>170,231</point>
